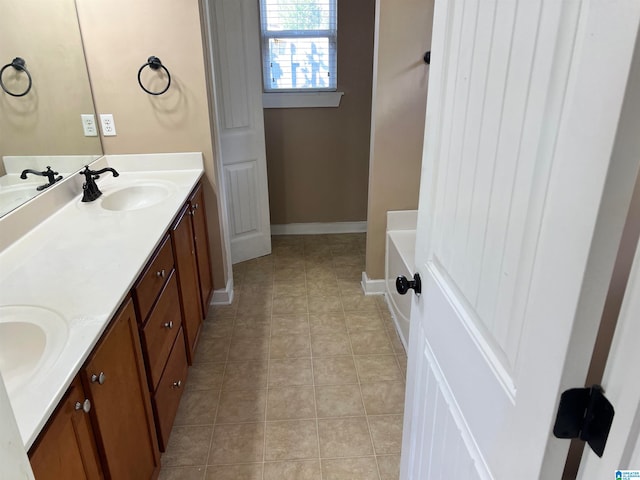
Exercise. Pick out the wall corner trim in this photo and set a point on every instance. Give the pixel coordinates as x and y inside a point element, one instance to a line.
<point>372,287</point>
<point>318,228</point>
<point>223,296</point>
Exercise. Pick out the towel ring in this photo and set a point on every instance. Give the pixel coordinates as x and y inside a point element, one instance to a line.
<point>154,63</point>
<point>19,64</point>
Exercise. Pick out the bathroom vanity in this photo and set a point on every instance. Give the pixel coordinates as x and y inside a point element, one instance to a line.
<point>113,293</point>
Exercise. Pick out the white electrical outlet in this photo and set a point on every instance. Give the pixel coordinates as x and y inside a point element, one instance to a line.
<point>89,125</point>
<point>108,125</point>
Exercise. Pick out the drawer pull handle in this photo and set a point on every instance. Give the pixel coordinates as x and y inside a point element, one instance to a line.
<point>195,207</point>
<point>161,273</point>
<point>177,384</point>
<point>100,378</point>
<point>169,324</point>
<point>85,406</point>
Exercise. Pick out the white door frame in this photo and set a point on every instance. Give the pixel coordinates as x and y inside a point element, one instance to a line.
<point>227,296</point>
<point>622,389</point>
<point>619,381</point>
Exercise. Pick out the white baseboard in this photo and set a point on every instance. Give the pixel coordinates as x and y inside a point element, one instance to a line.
<point>223,296</point>
<point>318,228</point>
<point>372,287</point>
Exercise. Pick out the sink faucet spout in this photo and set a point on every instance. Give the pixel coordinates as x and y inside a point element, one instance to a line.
<point>90,189</point>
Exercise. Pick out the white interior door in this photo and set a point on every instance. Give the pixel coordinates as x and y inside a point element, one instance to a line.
<point>524,193</point>
<point>235,30</point>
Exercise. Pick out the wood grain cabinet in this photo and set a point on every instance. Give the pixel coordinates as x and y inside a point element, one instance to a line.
<point>184,251</point>
<point>67,447</point>
<point>166,397</point>
<point>115,380</point>
<point>134,378</point>
<point>201,239</point>
<point>160,324</point>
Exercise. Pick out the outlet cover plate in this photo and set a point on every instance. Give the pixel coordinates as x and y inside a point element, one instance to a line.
<point>108,125</point>
<point>89,125</point>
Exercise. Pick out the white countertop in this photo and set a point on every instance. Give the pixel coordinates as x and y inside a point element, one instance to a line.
<point>81,263</point>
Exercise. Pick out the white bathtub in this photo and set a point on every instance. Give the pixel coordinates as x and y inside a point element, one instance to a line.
<point>399,260</point>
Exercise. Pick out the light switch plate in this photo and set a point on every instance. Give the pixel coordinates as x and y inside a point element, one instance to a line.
<point>108,125</point>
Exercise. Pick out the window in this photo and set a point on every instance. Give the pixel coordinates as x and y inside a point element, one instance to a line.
<point>299,45</point>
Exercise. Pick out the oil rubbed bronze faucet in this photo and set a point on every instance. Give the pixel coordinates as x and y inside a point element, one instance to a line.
<point>50,174</point>
<point>89,187</point>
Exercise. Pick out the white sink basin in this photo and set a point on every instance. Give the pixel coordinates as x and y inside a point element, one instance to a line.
<point>31,339</point>
<point>135,197</point>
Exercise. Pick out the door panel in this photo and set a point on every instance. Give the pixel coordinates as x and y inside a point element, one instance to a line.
<point>186,264</point>
<point>521,211</point>
<point>203,256</point>
<point>121,405</point>
<point>235,31</point>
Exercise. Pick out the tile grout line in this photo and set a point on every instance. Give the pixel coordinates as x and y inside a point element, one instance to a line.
<point>224,371</point>
<point>313,377</point>
<point>365,407</point>
<point>366,416</point>
<point>266,400</point>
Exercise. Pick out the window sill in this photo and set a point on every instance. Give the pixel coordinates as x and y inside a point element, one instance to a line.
<point>301,99</point>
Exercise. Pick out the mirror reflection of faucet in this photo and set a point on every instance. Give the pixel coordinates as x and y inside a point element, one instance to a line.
<point>90,190</point>
<point>50,174</point>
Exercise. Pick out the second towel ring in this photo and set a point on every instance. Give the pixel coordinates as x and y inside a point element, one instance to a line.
<point>19,64</point>
<point>154,63</point>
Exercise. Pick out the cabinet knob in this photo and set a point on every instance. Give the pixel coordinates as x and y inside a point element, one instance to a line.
<point>85,406</point>
<point>161,273</point>
<point>177,384</point>
<point>195,207</point>
<point>169,324</point>
<point>100,378</point>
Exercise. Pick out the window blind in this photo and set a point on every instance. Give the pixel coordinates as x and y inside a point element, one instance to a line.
<point>299,45</point>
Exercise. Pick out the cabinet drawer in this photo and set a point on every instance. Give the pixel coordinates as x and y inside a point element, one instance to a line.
<point>169,391</point>
<point>153,278</point>
<point>161,329</point>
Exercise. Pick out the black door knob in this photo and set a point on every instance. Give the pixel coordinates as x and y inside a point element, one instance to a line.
<point>403,285</point>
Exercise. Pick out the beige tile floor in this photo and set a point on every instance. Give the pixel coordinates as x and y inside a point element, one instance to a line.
<point>301,378</point>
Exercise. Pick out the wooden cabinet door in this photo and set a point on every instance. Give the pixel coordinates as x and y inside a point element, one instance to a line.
<point>115,379</point>
<point>170,388</point>
<point>184,251</point>
<point>67,448</point>
<point>201,238</point>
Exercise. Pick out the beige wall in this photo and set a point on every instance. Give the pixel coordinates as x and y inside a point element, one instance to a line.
<point>46,121</point>
<point>399,100</point>
<point>119,35</point>
<point>317,158</point>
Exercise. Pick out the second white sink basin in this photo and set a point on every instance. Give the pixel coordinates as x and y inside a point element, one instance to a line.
<point>31,339</point>
<point>135,197</point>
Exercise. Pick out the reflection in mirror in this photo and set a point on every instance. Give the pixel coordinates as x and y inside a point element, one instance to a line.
<point>44,127</point>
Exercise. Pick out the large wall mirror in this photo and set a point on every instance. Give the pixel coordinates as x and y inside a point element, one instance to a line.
<point>44,126</point>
